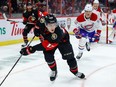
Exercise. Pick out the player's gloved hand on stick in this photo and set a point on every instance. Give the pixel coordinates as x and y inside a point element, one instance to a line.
<point>27,50</point>
<point>77,34</point>
<point>97,35</point>
<point>36,33</point>
<point>24,22</point>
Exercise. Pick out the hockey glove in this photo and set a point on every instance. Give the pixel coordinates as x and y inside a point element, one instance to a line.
<point>36,32</point>
<point>77,34</point>
<point>24,22</point>
<point>27,50</point>
<point>114,26</point>
<point>97,35</point>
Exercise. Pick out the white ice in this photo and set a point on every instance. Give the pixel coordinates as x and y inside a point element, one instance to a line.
<point>99,66</point>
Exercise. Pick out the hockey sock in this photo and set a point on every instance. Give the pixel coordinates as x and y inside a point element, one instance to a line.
<point>74,70</point>
<point>73,65</point>
<point>25,38</point>
<point>52,66</point>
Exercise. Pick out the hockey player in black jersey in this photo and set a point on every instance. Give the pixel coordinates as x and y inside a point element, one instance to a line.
<point>30,16</point>
<point>53,37</point>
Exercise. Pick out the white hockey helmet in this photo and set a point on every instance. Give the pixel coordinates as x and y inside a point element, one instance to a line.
<point>96,1</point>
<point>88,7</point>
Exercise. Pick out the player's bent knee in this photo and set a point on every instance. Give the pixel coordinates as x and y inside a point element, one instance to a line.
<point>82,41</point>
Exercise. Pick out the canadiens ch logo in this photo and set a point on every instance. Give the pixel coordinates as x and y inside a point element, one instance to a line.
<point>54,36</point>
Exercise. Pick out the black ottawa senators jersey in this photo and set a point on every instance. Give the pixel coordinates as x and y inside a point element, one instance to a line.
<point>30,16</point>
<point>50,41</point>
<point>60,35</point>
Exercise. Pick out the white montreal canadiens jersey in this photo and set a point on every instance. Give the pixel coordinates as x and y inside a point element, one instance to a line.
<point>114,15</point>
<point>88,25</point>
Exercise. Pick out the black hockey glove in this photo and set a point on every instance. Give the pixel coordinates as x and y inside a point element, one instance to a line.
<point>24,22</point>
<point>27,50</point>
<point>36,32</point>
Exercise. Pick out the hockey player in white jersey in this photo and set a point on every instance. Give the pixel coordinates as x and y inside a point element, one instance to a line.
<point>114,14</point>
<point>112,36</point>
<point>99,11</point>
<point>87,29</point>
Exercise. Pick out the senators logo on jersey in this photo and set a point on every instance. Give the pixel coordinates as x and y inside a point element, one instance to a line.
<point>54,36</point>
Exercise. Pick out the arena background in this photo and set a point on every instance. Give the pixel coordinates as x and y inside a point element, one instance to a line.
<point>65,10</point>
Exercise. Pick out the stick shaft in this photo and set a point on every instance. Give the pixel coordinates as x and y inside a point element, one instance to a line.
<point>15,63</point>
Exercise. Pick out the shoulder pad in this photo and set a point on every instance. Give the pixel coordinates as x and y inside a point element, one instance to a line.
<point>80,18</point>
<point>94,17</point>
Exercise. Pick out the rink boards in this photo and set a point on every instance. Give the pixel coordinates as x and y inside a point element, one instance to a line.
<point>11,33</point>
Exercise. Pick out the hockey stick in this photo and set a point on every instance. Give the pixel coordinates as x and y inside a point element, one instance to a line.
<point>4,15</point>
<point>15,63</point>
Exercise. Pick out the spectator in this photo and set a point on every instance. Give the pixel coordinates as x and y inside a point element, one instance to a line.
<point>14,5</point>
<point>1,15</point>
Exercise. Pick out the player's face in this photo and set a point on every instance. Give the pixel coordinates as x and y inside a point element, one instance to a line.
<point>51,27</point>
<point>109,12</point>
<point>44,8</point>
<point>95,5</point>
<point>29,8</point>
<point>88,14</point>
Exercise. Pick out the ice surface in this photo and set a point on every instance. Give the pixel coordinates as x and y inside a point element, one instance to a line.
<point>99,66</point>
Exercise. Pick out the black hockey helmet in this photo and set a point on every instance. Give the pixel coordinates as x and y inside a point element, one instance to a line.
<point>29,4</point>
<point>50,18</point>
<point>50,23</point>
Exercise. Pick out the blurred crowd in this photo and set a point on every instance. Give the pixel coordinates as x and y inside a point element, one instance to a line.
<point>54,6</point>
<point>60,7</point>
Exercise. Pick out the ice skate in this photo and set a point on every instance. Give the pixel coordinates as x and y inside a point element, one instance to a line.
<point>110,42</point>
<point>80,75</point>
<point>53,75</point>
<point>87,46</point>
<point>25,44</point>
<point>79,55</point>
